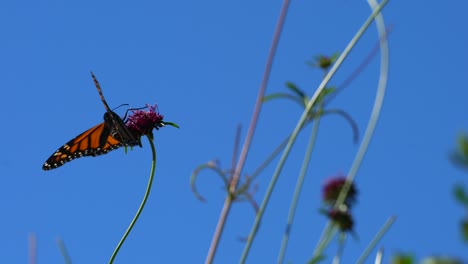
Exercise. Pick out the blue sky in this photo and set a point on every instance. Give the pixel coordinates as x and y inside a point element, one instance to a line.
<point>202,63</point>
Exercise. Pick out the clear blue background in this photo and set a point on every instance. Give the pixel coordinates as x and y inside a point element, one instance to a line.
<point>202,63</point>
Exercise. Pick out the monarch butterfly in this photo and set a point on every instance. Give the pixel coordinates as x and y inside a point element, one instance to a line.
<point>98,140</point>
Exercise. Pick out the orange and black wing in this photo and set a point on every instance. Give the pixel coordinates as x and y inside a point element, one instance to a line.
<point>95,141</point>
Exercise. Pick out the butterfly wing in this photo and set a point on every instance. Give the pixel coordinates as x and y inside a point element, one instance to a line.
<point>93,142</point>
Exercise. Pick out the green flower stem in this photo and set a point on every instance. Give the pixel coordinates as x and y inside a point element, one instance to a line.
<point>297,191</point>
<point>300,123</point>
<point>376,240</point>
<point>143,202</point>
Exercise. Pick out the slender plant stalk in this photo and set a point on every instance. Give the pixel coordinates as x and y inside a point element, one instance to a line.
<point>341,246</point>
<point>281,146</point>
<point>297,191</point>
<point>365,62</point>
<point>143,202</point>
<point>64,251</point>
<point>373,119</point>
<point>327,234</point>
<point>376,240</point>
<point>249,137</point>
<point>379,256</point>
<point>261,94</point>
<point>300,123</point>
<point>32,243</point>
<point>269,159</point>
<point>235,151</point>
<point>377,102</point>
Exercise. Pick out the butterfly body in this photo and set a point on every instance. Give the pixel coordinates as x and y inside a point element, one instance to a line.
<point>118,130</point>
<point>98,140</point>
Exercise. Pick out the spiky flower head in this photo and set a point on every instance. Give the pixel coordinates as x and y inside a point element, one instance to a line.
<point>332,188</point>
<point>343,219</point>
<point>142,122</point>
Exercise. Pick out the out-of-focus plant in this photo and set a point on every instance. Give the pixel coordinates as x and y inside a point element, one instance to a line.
<point>460,158</point>
<point>314,108</point>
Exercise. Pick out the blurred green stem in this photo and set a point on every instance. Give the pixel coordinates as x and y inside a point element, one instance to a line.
<point>297,191</point>
<point>373,118</point>
<point>64,251</point>
<point>377,102</point>
<point>341,246</point>
<point>299,125</point>
<point>376,240</point>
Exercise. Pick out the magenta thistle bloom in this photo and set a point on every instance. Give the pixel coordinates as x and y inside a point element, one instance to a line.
<point>343,220</point>
<point>332,189</point>
<point>142,122</point>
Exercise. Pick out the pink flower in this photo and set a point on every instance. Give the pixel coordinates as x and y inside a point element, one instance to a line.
<point>142,122</point>
<point>332,190</point>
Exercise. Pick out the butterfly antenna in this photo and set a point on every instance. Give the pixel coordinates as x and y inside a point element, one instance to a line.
<point>98,87</point>
<point>120,106</point>
<point>131,109</point>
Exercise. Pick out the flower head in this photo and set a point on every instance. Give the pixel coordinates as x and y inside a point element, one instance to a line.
<point>343,219</point>
<point>324,62</point>
<point>142,122</point>
<point>332,190</point>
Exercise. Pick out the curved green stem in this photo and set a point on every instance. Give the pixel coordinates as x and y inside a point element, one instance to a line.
<point>297,191</point>
<point>142,205</point>
<point>195,174</point>
<point>376,8</point>
<point>348,118</point>
<point>377,102</point>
